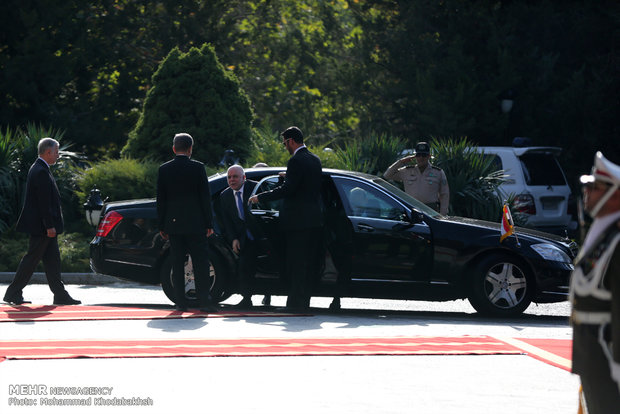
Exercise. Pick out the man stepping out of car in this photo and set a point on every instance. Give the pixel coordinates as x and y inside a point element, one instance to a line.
<point>240,230</point>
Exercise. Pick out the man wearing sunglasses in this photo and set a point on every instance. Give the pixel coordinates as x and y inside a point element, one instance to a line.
<point>422,180</point>
<point>595,291</point>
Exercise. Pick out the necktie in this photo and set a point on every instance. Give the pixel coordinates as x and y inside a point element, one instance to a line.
<point>242,212</point>
<point>240,205</point>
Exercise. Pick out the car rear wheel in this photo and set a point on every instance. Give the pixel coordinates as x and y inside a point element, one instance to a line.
<point>218,276</point>
<point>501,286</point>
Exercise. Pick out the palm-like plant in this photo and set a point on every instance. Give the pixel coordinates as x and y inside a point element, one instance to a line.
<point>8,179</point>
<point>372,154</point>
<point>472,177</point>
<point>18,150</point>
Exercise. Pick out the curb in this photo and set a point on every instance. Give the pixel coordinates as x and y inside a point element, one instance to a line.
<point>67,278</point>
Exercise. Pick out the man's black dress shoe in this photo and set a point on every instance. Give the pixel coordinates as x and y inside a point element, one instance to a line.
<point>66,300</point>
<point>16,300</point>
<point>209,308</point>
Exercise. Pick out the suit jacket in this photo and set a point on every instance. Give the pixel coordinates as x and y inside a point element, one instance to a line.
<point>301,191</point>
<point>234,227</point>
<point>183,197</point>
<point>41,209</point>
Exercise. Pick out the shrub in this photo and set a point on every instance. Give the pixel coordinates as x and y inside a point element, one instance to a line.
<point>472,178</point>
<point>74,252</point>
<point>18,150</point>
<point>372,154</point>
<point>192,92</point>
<point>267,147</point>
<point>120,179</point>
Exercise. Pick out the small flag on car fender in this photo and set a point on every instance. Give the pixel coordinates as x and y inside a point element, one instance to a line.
<point>507,224</point>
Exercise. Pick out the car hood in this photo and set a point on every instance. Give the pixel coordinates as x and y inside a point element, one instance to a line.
<point>518,230</point>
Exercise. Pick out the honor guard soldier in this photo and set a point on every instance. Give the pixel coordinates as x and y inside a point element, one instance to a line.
<point>595,292</point>
<point>423,180</point>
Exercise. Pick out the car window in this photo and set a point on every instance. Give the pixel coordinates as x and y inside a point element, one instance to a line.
<point>496,161</point>
<point>418,205</point>
<point>268,184</point>
<point>363,200</point>
<point>541,169</point>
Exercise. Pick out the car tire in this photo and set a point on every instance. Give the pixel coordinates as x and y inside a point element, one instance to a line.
<point>501,286</point>
<point>218,279</point>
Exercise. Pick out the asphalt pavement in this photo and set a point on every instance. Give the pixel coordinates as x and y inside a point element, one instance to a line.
<point>299,384</point>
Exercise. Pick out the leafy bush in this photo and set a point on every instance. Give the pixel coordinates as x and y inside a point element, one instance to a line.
<point>372,154</point>
<point>192,92</point>
<point>120,179</point>
<point>74,252</point>
<point>267,148</point>
<point>472,178</point>
<point>18,150</point>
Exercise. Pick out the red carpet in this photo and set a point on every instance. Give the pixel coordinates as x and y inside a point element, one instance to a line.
<point>419,345</point>
<point>557,352</point>
<point>32,313</point>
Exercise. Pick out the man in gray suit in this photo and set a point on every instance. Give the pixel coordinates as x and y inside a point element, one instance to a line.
<point>41,217</point>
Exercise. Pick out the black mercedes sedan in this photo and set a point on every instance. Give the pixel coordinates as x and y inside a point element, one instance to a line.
<point>379,243</point>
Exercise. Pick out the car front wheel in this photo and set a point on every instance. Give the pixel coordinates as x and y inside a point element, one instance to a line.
<point>501,286</point>
<point>217,279</point>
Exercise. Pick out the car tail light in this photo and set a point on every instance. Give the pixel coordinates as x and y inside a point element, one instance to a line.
<point>524,203</point>
<point>108,223</point>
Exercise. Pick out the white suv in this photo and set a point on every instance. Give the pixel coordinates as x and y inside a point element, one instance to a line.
<point>535,177</point>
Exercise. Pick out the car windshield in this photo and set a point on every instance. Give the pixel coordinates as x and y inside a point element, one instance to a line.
<point>541,169</point>
<point>418,205</point>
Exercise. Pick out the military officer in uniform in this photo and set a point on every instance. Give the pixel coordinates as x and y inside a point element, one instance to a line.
<point>423,180</point>
<point>595,292</point>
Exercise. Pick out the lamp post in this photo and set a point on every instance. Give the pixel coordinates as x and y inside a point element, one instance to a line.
<point>93,207</point>
<point>507,99</point>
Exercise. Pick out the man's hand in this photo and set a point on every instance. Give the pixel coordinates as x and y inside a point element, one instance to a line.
<point>51,232</point>
<point>236,246</point>
<point>163,235</point>
<point>209,232</point>
<point>253,199</point>
<point>407,159</point>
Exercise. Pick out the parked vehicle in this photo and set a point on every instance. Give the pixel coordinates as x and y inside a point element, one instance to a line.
<point>539,185</point>
<point>396,246</point>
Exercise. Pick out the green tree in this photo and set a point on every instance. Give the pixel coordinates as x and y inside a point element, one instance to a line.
<point>191,92</point>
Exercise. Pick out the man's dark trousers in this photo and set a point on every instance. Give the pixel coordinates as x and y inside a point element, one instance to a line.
<point>196,246</point>
<point>301,264</point>
<point>40,248</point>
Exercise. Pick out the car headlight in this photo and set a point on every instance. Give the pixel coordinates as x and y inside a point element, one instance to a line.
<point>551,252</point>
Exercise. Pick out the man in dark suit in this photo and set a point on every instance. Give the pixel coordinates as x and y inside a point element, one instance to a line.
<point>41,217</point>
<point>240,230</point>
<point>301,217</point>
<point>185,218</point>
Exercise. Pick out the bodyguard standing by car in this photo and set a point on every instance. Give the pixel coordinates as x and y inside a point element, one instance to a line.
<point>595,292</point>
<point>423,181</point>
<point>239,229</point>
<point>301,217</point>
<point>185,218</point>
<point>41,217</point>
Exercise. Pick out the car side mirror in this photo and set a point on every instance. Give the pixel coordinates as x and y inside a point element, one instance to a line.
<point>416,217</point>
